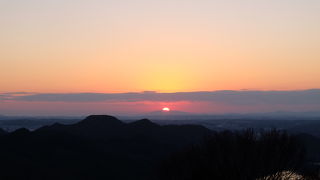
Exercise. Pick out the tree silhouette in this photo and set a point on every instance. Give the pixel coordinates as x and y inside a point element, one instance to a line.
<point>236,155</point>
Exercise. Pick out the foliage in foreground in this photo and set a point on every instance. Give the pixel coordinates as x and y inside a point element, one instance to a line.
<point>236,155</point>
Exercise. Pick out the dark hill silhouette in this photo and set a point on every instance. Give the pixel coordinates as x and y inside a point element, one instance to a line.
<point>108,128</point>
<point>100,121</point>
<point>99,147</point>
<point>144,123</point>
<point>21,131</point>
<point>103,147</point>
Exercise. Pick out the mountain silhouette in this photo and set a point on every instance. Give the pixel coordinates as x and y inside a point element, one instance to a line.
<point>109,127</point>
<point>144,123</point>
<point>100,121</point>
<point>98,147</point>
<point>103,147</point>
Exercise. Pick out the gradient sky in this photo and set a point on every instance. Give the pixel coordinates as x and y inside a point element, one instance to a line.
<point>104,46</point>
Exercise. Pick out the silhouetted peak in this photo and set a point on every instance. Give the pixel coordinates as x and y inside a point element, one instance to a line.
<point>144,123</point>
<point>56,125</point>
<point>101,117</point>
<point>21,131</point>
<point>100,120</point>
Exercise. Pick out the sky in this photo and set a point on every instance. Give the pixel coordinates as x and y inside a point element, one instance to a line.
<point>75,48</point>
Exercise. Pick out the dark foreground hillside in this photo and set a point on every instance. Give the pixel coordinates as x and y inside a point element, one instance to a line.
<point>99,147</point>
<point>103,147</point>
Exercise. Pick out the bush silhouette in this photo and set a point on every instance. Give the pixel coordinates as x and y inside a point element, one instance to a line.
<point>235,155</point>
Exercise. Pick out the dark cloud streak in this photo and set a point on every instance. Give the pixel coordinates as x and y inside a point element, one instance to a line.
<point>311,97</point>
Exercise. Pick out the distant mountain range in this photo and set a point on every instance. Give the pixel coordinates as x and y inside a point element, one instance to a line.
<point>180,115</point>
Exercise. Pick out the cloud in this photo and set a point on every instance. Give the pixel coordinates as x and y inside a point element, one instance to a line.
<point>308,97</point>
<point>12,95</point>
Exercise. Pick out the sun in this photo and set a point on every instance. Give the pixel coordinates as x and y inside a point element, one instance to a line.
<point>165,109</point>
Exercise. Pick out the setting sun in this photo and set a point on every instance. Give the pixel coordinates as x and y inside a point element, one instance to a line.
<point>166,109</point>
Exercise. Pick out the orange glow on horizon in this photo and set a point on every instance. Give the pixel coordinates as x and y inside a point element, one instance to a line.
<point>204,46</point>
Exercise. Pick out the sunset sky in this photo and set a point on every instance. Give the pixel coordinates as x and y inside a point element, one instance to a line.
<point>67,48</point>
